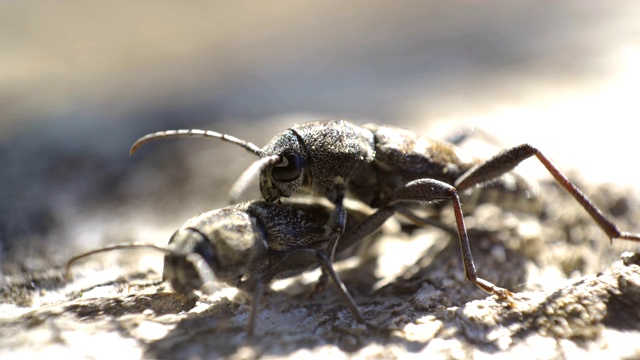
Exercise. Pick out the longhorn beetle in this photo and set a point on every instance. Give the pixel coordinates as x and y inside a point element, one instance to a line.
<point>386,168</point>
<point>248,245</point>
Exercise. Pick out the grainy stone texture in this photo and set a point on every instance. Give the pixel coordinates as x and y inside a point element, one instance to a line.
<point>78,84</point>
<point>574,296</point>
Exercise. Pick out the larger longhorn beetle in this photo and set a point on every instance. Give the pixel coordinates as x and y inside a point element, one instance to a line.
<point>386,168</point>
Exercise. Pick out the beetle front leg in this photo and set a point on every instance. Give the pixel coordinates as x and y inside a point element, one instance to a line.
<point>337,224</point>
<point>300,259</point>
<point>254,286</point>
<point>427,190</point>
<point>361,231</point>
<point>508,159</point>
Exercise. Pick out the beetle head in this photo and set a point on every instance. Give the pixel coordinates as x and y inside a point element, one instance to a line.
<point>220,244</point>
<point>289,171</point>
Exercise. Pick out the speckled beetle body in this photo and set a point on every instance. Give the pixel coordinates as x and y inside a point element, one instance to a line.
<point>387,168</point>
<point>248,245</point>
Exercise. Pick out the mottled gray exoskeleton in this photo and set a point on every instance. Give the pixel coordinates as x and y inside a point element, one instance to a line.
<point>385,167</point>
<point>247,245</point>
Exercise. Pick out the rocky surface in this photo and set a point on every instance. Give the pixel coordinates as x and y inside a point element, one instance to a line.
<point>80,83</point>
<point>575,295</point>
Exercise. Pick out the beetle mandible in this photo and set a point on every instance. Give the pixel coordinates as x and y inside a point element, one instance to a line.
<point>385,167</point>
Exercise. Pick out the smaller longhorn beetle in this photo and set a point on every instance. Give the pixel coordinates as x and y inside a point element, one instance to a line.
<point>247,245</point>
<point>385,167</point>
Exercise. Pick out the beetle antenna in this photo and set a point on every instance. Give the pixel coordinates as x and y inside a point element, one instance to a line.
<point>114,247</point>
<point>195,133</point>
<point>249,175</point>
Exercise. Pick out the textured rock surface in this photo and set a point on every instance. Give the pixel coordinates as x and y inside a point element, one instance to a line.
<point>573,296</point>
<point>79,83</point>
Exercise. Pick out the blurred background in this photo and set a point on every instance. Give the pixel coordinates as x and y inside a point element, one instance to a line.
<point>79,82</point>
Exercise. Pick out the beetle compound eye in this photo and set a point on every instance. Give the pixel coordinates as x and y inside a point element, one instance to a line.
<point>289,169</point>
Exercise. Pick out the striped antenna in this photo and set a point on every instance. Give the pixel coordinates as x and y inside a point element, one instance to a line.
<point>114,247</point>
<point>167,134</point>
<point>249,175</point>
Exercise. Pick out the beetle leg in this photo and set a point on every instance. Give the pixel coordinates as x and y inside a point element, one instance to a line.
<point>427,190</point>
<point>301,259</point>
<point>508,159</point>
<point>256,287</point>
